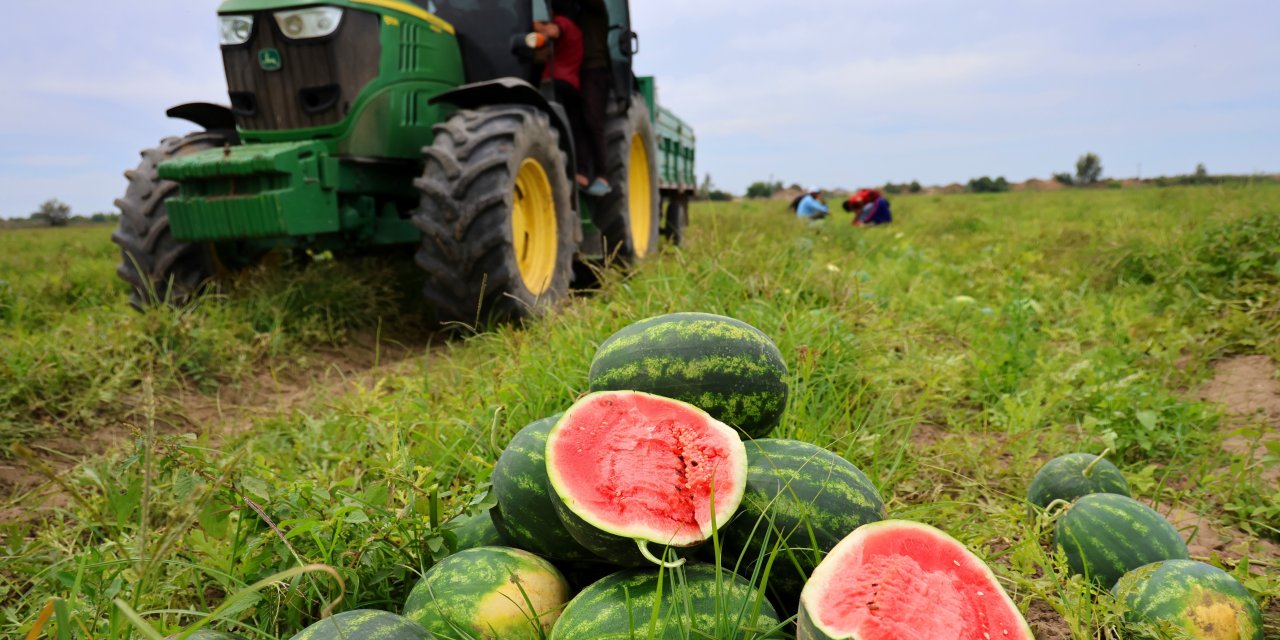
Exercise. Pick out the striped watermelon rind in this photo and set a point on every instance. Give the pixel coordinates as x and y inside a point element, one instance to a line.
<point>724,366</point>
<point>365,624</point>
<point>805,495</point>
<point>475,530</point>
<point>620,607</point>
<point>1185,598</point>
<point>488,592</point>
<point>1105,535</point>
<point>1063,478</point>
<point>525,515</point>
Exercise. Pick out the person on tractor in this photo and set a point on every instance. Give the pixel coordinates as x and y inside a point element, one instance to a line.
<point>869,208</point>
<point>811,207</point>
<point>597,77</point>
<point>564,71</point>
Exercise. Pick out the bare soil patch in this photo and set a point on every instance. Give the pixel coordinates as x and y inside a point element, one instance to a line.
<point>28,485</point>
<point>1045,622</point>
<point>1247,388</point>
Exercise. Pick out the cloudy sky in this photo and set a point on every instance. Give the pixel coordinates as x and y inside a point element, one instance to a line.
<point>825,92</point>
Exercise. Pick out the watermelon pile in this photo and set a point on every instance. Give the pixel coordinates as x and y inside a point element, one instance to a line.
<point>657,506</point>
<point>1120,544</point>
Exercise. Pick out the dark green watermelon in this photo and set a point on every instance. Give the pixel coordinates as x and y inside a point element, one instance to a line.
<point>524,514</point>
<point>365,624</point>
<point>490,593</point>
<point>1070,476</point>
<point>1105,535</point>
<point>697,601</point>
<point>471,531</point>
<point>723,366</point>
<point>802,500</point>
<point>1188,599</point>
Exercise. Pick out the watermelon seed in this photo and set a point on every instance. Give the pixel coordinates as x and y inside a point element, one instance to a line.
<point>980,593</point>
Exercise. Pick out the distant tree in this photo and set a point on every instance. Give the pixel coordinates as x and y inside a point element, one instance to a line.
<point>1202,174</point>
<point>893,189</point>
<point>53,212</point>
<point>1088,169</point>
<point>915,187</point>
<point>717,195</point>
<point>763,189</point>
<point>1064,179</point>
<point>987,185</point>
<point>705,189</point>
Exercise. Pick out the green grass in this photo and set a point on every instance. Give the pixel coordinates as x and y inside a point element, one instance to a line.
<point>947,356</point>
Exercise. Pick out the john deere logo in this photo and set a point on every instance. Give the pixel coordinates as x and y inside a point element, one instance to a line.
<point>269,60</point>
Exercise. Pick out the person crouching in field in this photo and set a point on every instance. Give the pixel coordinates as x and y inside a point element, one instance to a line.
<point>811,207</point>
<point>868,208</point>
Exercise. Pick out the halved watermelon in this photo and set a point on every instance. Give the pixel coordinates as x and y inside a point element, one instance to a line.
<point>899,580</point>
<point>629,469</point>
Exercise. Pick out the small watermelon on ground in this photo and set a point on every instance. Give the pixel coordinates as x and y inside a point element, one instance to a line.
<point>478,530</point>
<point>802,500</point>
<point>723,366</point>
<point>631,470</point>
<point>489,593</point>
<point>697,601</point>
<point>1105,535</point>
<point>1073,475</point>
<point>896,579</point>
<point>365,624</point>
<point>1189,599</point>
<point>524,514</point>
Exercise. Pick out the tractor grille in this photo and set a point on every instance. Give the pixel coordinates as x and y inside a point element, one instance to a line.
<point>317,80</point>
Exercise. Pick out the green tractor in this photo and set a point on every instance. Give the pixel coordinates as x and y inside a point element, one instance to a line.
<point>359,126</point>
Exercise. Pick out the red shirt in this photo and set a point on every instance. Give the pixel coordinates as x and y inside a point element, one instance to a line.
<point>567,63</point>
<point>863,198</point>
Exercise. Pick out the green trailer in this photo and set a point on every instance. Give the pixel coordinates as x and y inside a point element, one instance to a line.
<point>359,126</point>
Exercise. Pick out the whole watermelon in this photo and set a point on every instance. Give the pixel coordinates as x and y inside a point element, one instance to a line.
<point>524,514</point>
<point>471,531</point>
<point>1073,475</point>
<point>365,624</point>
<point>1185,598</point>
<point>723,366</point>
<point>207,634</point>
<point>1105,535</point>
<point>489,593</point>
<point>697,601</point>
<point>802,500</point>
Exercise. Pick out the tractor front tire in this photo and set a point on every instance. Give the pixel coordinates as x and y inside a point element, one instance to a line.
<point>629,216</point>
<point>499,232</point>
<point>159,268</point>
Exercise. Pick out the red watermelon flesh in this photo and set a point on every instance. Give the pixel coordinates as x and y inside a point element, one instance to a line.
<point>645,467</point>
<point>900,580</point>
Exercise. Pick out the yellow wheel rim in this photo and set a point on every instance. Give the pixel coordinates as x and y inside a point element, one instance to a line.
<point>533,227</point>
<point>640,197</point>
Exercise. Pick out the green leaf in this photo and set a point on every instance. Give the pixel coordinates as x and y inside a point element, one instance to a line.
<point>1148,419</point>
<point>255,489</point>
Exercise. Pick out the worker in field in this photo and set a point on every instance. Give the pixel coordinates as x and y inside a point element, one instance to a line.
<point>811,207</point>
<point>564,71</point>
<point>597,77</point>
<point>869,208</point>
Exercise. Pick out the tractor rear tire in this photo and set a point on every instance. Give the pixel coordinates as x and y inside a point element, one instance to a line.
<point>629,217</point>
<point>499,232</point>
<point>676,220</point>
<point>160,269</point>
